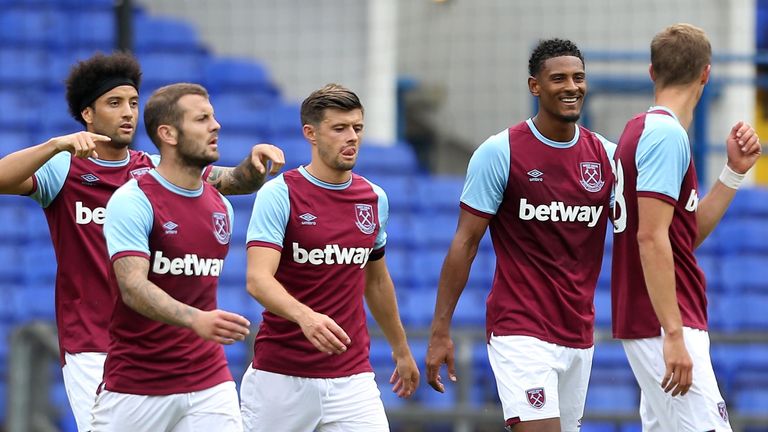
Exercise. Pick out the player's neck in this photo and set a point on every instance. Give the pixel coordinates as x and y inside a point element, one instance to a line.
<point>681,100</point>
<point>181,175</point>
<point>327,174</point>
<point>111,153</point>
<point>555,130</point>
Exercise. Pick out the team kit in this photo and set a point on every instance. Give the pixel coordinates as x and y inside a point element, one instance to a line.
<point>141,240</point>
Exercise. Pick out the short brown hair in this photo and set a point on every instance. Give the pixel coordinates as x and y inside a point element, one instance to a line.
<point>330,96</point>
<point>162,108</point>
<point>679,54</point>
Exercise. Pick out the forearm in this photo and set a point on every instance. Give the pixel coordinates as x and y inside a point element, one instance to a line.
<point>240,180</point>
<point>381,300</point>
<point>275,298</point>
<point>18,167</point>
<point>148,299</point>
<point>659,273</point>
<point>712,208</point>
<point>453,279</point>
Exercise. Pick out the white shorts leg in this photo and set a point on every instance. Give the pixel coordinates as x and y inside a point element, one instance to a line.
<point>83,372</point>
<point>701,409</point>
<point>214,409</point>
<point>353,404</point>
<point>270,402</point>
<point>121,412</point>
<point>538,380</point>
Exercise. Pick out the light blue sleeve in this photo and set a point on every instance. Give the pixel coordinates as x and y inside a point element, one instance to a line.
<point>381,237</point>
<point>128,220</point>
<point>155,159</point>
<point>50,178</point>
<point>271,209</point>
<point>487,174</point>
<point>230,210</point>
<point>663,155</point>
<point>610,148</point>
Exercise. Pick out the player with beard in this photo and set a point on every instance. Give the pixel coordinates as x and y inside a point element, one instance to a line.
<point>315,249</point>
<point>168,233</point>
<point>544,188</point>
<point>72,177</point>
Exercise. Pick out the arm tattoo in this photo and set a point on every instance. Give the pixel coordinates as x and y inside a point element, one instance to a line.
<point>242,179</point>
<point>145,297</point>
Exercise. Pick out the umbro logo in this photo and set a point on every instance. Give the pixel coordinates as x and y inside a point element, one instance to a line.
<point>89,178</point>
<point>308,219</point>
<point>170,227</point>
<point>534,175</point>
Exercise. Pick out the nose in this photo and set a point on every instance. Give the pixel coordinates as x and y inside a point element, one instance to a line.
<point>128,110</point>
<point>215,125</point>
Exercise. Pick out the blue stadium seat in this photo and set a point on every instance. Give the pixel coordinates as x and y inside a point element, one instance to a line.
<point>631,427</point>
<point>234,147</point>
<point>609,355</point>
<point>92,30</point>
<point>241,114</point>
<point>21,110</point>
<point>751,401</point>
<point>437,194</point>
<point>39,264</point>
<point>10,271</point>
<point>603,308</point>
<point>32,27</point>
<point>389,160</point>
<point>399,231</point>
<point>426,268</point>
<point>482,271</point>
<point>284,120</point>
<point>11,141</point>
<point>57,120</point>
<point>417,306</point>
<point>434,232</point>
<point>613,398</point>
<point>470,311</point>
<point>399,266</point>
<point>37,302</point>
<point>743,236</point>
<point>743,273</point>
<point>604,278</point>
<point>710,264</point>
<point>13,228</point>
<point>30,69</point>
<point>153,34</point>
<point>241,76</point>
<point>399,190</point>
<point>235,265</point>
<point>161,69</point>
<point>749,202</point>
<point>596,426</point>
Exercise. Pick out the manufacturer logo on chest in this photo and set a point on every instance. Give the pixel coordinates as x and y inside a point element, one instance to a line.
<point>364,218</point>
<point>591,176</point>
<point>308,219</point>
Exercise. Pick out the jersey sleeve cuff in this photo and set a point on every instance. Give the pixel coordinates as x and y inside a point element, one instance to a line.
<point>475,212</point>
<point>34,186</point>
<point>259,243</point>
<point>658,195</point>
<point>122,254</point>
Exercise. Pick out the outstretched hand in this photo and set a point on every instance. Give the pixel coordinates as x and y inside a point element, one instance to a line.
<point>80,144</point>
<point>264,155</point>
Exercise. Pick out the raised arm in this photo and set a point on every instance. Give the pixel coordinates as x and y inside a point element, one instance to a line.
<point>148,299</point>
<point>320,329</point>
<point>381,300</point>
<point>453,278</point>
<point>17,168</point>
<point>743,149</point>
<point>250,174</point>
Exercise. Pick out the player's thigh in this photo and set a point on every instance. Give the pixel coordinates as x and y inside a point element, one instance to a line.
<point>353,404</point>
<point>120,412</point>
<point>214,409</point>
<point>572,387</point>
<point>82,374</point>
<point>270,402</point>
<point>526,371</point>
<point>703,407</point>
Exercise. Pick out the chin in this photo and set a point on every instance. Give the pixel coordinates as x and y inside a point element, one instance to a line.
<point>571,118</point>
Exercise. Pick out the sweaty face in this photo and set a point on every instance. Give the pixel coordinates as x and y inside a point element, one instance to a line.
<point>115,114</point>
<point>338,138</point>
<point>198,135</point>
<point>561,85</point>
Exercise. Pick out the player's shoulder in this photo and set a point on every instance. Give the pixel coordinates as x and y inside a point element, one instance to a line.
<point>275,186</point>
<point>494,144</point>
<point>598,140</point>
<point>663,121</point>
<point>378,190</point>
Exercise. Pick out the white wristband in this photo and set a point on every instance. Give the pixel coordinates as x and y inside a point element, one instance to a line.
<point>731,178</point>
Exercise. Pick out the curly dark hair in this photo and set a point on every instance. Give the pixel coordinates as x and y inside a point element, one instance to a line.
<point>91,76</point>
<point>549,48</point>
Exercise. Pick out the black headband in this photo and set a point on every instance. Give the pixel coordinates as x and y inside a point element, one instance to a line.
<point>104,86</point>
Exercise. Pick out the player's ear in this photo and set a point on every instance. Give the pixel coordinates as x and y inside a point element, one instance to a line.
<point>705,74</point>
<point>87,114</point>
<point>310,133</point>
<point>651,73</point>
<point>533,85</point>
<point>167,134</point>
